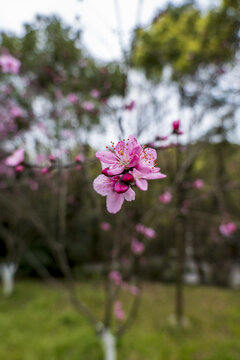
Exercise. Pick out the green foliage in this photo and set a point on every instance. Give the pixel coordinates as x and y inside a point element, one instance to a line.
<point>185,39</point>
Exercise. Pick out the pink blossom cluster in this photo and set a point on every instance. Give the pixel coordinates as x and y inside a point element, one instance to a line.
<point>9,64</point>
<point>16,160</point>
<point>118,311</point>
<point>198,184</point>
<point>227,229</point>
<point>116,277</point>
<point>148,232</point>
<point>125,165</point>
<point>137,247</point>
<point>165,197</point>
<point>105,226</point>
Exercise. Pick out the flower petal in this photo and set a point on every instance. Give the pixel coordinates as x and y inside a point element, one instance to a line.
<point>114,202</point>
<point>129,195</point>
<point>103,185</point>
<point>154,175</point>
<point>115,169</point>
<point>142,184</point>
<point>107,157</point>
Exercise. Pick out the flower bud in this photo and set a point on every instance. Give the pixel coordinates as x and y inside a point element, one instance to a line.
<point>127,178</point>
<point>121,187</point>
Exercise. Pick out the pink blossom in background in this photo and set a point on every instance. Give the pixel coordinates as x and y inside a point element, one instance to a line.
<point>116,277</point>
<point>198,184</point>
<point>127,164</point>
<point>45,170</point>
<point>95,93</point>
<point>16,158</point>
<point>133,290</point>
<point>130,106</point>
<point>19,168</point>
<point>16,111</point>
<point>52,158</point>
<point>72,98</point>
<point>176,127</point>
<point>227,229</point>
<point>88,106</point>
<point>166,197</point>
<point>9,64</point>
<point>105,226</point>
<point>137,247</point>
<point>79,158</point>
<point>118,311</point>
<point>148,232</point>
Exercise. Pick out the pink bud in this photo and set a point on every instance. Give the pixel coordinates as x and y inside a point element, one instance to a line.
<point>52,158</point>
<point>127,178</point>
<point>19,168</point>
<point>176,125</point>
<point>44,170</point>
<point>79,158</point>
<point>120,187</point>
<point>105,172</point>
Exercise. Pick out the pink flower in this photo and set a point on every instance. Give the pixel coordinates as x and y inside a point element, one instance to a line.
<point>148,232</point>
<point>45,170</point>
<point>127,165</point>
<point>16,158</point>
<point>198,184</point>
<point>133,290</point>
<point>176,127</point>
<point>88,106</point>
<point>9,64</point>
<point>106,186</point>
<point>72,98</point>
<point>105,226</point>
<point>52,158</point>
<point>79,158</point>
<point>118,311</point>
<point>130,106</point>
<point>137,247</point>
<point>116,277</point>
<point>16,111</point>
<point>95,93</point>
<point>227,229</point>
<point>166,197</point>
<point>125,156</point>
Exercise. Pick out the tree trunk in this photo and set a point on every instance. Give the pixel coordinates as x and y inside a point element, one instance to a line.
<point>7,274</point>
<point>109,345</point>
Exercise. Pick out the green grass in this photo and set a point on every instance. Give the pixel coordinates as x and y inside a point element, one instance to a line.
<point>38,323</point>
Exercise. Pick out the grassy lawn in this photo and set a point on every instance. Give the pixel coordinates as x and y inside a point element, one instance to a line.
<point>38,323</point>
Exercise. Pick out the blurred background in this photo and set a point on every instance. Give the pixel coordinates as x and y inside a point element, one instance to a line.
<point>74,76</point>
